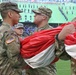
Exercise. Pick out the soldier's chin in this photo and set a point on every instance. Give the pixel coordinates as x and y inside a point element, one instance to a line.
<point>34,22</point>
<point>15,23</point>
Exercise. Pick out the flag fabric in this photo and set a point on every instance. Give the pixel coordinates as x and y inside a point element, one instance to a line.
<point>38,49</point>
<point>70,45</point>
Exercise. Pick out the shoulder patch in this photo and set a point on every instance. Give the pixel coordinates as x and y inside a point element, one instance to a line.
<point>10,40</point>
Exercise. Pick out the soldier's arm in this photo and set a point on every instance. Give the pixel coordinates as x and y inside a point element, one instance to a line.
<point>12,45</point>
<point>59,42</point>
<point>64,32</point>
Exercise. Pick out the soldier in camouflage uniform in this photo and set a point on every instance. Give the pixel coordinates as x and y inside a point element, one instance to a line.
<point>19,28</point>
<point>10,60</point>
<point>42,15</point>
<point>73,61</point>
<point>60,47</point>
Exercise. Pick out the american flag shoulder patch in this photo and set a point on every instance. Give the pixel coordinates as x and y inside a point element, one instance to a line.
<point>10,40</point>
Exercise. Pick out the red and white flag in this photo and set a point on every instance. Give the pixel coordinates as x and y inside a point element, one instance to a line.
<point>38,49</point>
<point>70,45</point>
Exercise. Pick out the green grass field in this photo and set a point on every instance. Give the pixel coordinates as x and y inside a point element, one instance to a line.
<point>63,67</point>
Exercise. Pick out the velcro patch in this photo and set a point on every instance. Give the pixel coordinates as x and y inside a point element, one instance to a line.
<point>10,40</point>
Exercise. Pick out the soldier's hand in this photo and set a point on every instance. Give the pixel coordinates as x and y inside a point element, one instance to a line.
<point>69,29</point>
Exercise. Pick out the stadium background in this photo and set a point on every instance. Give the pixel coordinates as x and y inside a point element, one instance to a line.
<point>63,11</point>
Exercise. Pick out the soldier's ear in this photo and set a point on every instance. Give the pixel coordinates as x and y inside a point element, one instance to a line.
<point>44,17</point>
<point>10,14</point>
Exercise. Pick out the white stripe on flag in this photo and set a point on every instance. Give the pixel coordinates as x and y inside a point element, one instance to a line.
<point>43,58</point>
<point>71,50</point>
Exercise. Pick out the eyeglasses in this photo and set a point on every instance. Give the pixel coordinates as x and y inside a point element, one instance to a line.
<point>40,14</point>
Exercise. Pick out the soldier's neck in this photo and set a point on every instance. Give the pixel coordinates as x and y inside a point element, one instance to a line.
<point>8,22</point>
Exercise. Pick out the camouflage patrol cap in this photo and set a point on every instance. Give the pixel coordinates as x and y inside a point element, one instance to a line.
<point>19,25</point>
<point>43,10</point>
<point>9,5</point>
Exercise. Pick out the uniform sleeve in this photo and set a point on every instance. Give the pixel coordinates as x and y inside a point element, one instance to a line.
<point>59,45</point>
<point>12,46</point>
<point>60,49</point>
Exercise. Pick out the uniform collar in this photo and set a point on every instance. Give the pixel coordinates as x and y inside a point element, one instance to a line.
<point>43,28</point>
<point>6,24</point>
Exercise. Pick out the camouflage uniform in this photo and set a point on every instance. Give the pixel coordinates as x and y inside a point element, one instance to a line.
<point>60,52</point>
<point>73,66</point>
<point>49,69</point>
<point>10,60</point>
<point>21,37</point>
<point>9,51</point>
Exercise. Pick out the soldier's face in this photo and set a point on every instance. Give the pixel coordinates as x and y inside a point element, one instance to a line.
<point>19,31</point>
<point>15,17</point>
<point>38,18</point>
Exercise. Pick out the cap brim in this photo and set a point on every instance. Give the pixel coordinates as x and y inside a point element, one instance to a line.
<point>18,10</point>
<point>36,11</point>
<point>20,27</point>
